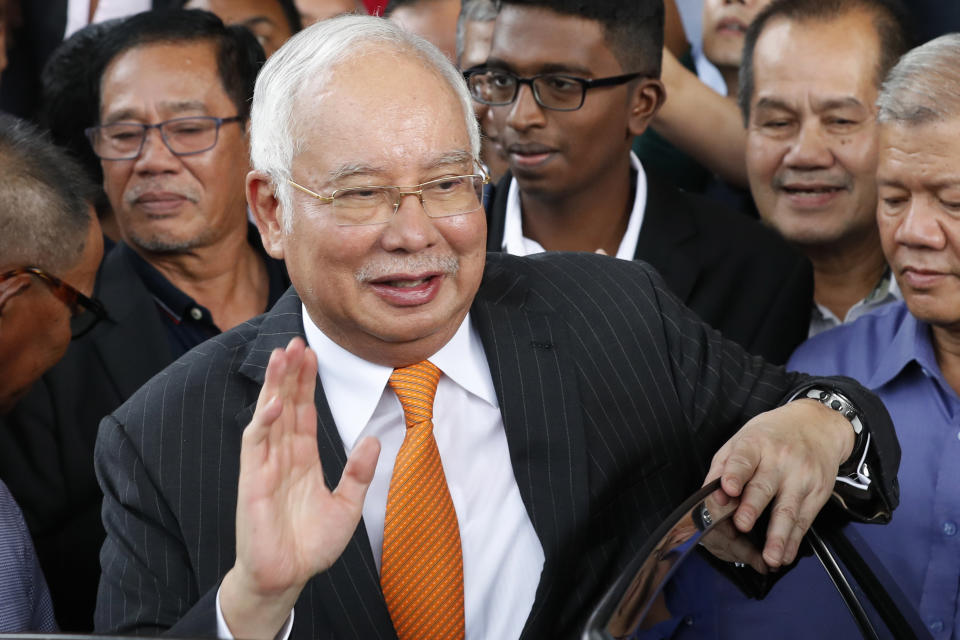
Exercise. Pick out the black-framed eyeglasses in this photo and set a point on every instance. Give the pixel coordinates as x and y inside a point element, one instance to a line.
<point>182,136</point>
<point>440,198</point>
<point>556,91</point>
<point>85,312</point>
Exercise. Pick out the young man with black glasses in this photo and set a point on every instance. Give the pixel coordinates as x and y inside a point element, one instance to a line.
<point>566,106</point>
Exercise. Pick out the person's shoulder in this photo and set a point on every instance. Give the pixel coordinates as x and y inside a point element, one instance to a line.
<point>557,281</point>
<point>555,269</point>
<point>719,227</point>
<point>215,361</point>
<point>853,349</point>
<point>727,229</point>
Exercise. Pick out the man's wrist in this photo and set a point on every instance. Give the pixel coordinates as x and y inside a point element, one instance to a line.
<point>248,614</point>
<point>836,400</point>
<point>852,469</point>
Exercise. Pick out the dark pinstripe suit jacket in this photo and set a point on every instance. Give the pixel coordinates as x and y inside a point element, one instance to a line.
<point>613,396</point>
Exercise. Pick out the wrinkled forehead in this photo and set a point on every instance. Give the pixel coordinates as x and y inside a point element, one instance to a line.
<point>382,106</point>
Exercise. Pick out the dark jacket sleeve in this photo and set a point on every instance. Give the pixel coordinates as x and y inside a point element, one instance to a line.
<point>716,379</point>
<point>147,581</point>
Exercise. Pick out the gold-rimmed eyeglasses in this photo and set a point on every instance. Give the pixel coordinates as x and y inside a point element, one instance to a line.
<point>440,198</point>
<point>85,312</point>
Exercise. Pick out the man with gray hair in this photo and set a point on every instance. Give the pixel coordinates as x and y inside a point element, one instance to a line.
<point>907,352</point>
<point>483,417</point>
<point>50,247</point>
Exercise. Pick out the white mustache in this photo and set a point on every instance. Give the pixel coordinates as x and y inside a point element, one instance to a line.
<point>447,265</point>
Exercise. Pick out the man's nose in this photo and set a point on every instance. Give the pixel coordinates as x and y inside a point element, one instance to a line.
<point>410,229</point>
<point>810,149</point>
<point>923,226</point>
<point>525,112</point>
<point>155,156</point>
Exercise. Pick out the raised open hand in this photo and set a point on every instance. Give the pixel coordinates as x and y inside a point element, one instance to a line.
<point>290,526</point>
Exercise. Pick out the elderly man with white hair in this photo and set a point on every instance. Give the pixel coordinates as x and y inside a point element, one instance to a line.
<point>507,430</point>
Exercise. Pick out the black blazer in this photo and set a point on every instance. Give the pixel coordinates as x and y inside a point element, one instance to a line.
<point>46,443</point>
<point>613,395</point>
<point>742,278</point>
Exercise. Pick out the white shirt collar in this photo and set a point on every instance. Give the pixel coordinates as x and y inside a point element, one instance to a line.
<point>353,386</point>
<point>514,242</point>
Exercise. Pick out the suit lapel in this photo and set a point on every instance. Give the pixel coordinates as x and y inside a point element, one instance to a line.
<point>536,385</point>
<point>666,237</point>
<point>348,592</point>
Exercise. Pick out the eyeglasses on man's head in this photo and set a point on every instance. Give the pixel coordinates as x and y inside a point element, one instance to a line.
<point>556,91</point>
<point>182,136</point>
<point>85,312</point>
<point>440,198</point>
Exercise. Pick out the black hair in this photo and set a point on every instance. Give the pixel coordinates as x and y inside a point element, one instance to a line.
<point>239,55</point>
<point>45,199</point>
<point>633,29</point>
<point>289,11</point>
<point>69,98</point>
<point>890,19</point>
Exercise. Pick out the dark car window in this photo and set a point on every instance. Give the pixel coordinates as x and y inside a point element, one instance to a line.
<point>697,578</point>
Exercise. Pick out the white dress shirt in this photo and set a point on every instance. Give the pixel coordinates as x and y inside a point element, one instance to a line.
<point>78,12</point>
<point>502,556</point>
<point>515,243</point>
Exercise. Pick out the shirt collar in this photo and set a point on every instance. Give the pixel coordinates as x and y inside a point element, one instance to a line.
<point>172,300</point>
<point>886,290</point>
<point>911,343</point>
<point>353,386</point>
<point>514,242</point>
<point>179,305</point>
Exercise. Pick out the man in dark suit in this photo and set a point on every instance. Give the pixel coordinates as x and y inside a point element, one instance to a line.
<point>556,408</point>
<point>575,185</point>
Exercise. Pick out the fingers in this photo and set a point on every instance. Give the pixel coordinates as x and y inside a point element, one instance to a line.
<point>735,464</point>
<point>358,472</point>
<point>281,386</point>
<point>305,406</point>
<point>269,405</point>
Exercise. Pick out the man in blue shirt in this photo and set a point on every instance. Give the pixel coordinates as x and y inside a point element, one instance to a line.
<point>909,353</point>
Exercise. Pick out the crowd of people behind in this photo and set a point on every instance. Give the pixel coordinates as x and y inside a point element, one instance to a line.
<point>630,237</point>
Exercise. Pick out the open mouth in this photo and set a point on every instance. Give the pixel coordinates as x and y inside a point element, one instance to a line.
<point>407,291</point>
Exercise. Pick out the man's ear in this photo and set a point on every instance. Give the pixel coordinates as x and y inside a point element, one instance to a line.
<point>646,98</point>
<point>265,208</point>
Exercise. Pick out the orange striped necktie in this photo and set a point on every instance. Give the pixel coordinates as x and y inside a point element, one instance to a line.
<point>421,570</point>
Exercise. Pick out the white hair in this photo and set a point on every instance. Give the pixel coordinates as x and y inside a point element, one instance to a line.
<point>310,57</point>
<point>924,86</point>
